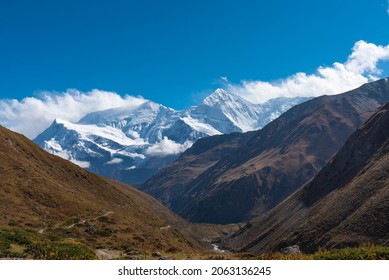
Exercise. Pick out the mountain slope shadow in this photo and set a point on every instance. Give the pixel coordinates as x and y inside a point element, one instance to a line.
<point>345,204</point>
<point>236,177</point>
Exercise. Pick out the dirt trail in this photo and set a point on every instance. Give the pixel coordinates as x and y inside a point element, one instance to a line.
<point>87,220</point>
<point>107,254</point>
<point>167,227</point>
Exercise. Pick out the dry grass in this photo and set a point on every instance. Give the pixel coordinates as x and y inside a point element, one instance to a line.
<point>59,201</point>
<point>364,252</point>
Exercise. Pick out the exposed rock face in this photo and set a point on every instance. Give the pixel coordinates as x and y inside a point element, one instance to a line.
<point>236,177</point>
<point>346,204</point>
<point>294,249</point>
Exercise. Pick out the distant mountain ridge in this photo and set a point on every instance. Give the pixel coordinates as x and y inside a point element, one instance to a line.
<point>131,143</point>
<point>232,178</point>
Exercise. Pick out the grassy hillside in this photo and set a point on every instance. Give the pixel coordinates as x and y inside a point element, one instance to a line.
<point>50,201</point>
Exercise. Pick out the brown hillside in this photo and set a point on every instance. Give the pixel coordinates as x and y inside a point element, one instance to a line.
<point>346,204</point>
<point>49,195</point>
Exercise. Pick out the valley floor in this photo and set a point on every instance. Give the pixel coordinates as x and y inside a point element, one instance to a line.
<point>26,244</point>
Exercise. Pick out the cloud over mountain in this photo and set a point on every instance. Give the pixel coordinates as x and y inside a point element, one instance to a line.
<point>167,147</point>
<point>360,67</point>
<point>32,115</point>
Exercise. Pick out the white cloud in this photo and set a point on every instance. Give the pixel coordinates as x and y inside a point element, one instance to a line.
<point>82,164</point>
<point>32,115</point>
<point>115,161</point>
<point>224,79</point>
<point>387,10</point>
<point>167,147</point>
<point>360,67</point>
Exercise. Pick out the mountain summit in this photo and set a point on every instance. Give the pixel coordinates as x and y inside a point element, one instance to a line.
<point>226,111</point>
<point>133,142</point>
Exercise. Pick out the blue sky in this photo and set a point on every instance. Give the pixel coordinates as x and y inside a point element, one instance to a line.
<point>174,52</point>
<point>53,54</point>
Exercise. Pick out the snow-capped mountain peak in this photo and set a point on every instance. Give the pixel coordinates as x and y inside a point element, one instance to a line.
<point>132,142</point>
<point>227,112</point>
<point>219,96</point>
<point>147,109</point>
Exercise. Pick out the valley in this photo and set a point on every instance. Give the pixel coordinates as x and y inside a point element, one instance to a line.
<point>237,177</point>
<point>314,180</point>
<point>51,208</point>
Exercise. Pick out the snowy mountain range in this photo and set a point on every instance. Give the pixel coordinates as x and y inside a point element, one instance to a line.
<point>131,143</point>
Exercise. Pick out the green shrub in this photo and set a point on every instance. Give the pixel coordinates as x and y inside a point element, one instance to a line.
<point>364,252</point>
<point>60,251</point>
<point>5,245</point>
<point>71,222</point>
<point>139,239</point>
<point>17,236</point>
<point>106,232</point>
<point>10,237</point>
<point>20,243</point>
<point>367,252</point>
<point>106,219</point>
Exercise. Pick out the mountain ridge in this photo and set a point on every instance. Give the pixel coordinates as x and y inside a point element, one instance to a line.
<point>149,135</point>
<point>344,205</point>
<point>269,164</point>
